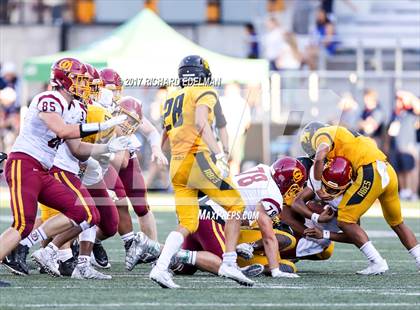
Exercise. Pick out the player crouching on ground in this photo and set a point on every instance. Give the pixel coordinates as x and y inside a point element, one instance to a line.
<point>319,211</point>
<point>375,179</point>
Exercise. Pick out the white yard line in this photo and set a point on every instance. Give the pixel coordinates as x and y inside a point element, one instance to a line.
<point>214,305</point>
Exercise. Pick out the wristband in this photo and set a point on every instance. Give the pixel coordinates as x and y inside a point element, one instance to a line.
<point>315,217</point>
<point>326,234</point>
<point>88,129</point>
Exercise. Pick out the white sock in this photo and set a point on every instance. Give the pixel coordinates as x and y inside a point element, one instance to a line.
<point>127,237</point>
<point>371,252</point>
<point>34,237</point>
<point>88,235</point>
<point>415,252</point>
<point>229,258</point>
<point>172,245</point>
<point>83,259</point>
<point>64,255</point>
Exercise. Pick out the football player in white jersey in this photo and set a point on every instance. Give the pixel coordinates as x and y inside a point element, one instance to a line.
<point>49,121</point>
<point>262,188</point>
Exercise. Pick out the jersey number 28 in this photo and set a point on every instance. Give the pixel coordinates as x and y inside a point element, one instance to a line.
<point>173,112</point>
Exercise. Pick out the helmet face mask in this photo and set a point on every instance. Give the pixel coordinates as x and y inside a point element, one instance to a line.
<point>336,177</point>
<point>131,107</point>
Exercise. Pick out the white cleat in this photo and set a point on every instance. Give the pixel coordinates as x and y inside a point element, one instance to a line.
<point>47,258</point>
<point>142,249</point>
<point>234,273</point>
<point>245,250</point>
<point>86,271</point>
<point>163,278</point>
<point>374,268</point>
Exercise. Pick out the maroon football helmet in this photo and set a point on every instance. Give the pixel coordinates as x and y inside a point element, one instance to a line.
<point>336,176</point>
<point>131,107</point>
<point>70,75</point>
<point>95,81</point>
<point>290,176</point>
<point>112,81</point>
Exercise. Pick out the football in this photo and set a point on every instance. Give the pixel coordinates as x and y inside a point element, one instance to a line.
<point>316,206</point>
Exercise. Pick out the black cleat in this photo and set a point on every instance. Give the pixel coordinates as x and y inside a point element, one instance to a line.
<point>75,248</point>
<point>100,257</point>
<point>66,268</point>
<point>16,261</point>
<point>4,284</point>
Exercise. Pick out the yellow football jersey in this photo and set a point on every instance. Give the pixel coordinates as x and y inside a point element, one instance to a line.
<point>358,149</point>
<point>98,114</point>
<point>179,118</point>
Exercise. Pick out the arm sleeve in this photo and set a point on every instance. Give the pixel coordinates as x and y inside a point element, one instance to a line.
<point>219,116</point>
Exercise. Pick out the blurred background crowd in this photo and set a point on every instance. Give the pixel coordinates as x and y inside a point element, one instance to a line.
<point>349,62</point>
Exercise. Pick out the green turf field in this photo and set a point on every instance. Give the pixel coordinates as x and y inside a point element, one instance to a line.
<point>322,285</point>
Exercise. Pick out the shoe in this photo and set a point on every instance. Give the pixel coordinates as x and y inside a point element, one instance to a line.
<point>245,250</point>
<point>4,284</point>
<point>163,278</point>
<point>142,249</point>
<point>253,270</point>
<point>100,258</point>
<point>47,258</point>
<point>86,271</point>
<point>66,268</point>
<point>16,261</point>
<point>234,273</point>
<point>375,268</point>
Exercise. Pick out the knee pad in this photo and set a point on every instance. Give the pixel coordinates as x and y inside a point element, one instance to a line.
<point>88,234</point>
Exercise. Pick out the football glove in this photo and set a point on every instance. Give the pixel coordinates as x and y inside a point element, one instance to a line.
<point>119,144</point>
<point>277,273</point>
<point>222,164</point>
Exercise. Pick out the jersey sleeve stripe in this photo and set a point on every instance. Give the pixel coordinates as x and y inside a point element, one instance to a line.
<point>50,96</point>
<point>272,201</point>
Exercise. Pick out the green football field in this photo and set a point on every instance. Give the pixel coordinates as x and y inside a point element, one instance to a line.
<point>323,285</point>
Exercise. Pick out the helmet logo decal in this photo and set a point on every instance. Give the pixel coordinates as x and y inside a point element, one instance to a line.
<point>65,64</point>
<point>297,175</point>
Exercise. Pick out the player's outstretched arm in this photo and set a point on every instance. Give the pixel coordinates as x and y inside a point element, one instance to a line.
<point>153,138</point>
<point>299,204</point>
<point>71,131</point>
<point>82,150</point>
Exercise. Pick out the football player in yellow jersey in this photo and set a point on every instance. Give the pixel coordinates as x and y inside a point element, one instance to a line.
<point>197,164</point>
<point>375,179</point>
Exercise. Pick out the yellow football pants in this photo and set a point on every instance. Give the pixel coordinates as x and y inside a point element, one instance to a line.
<point>193,173</point>
<point>360,196</point>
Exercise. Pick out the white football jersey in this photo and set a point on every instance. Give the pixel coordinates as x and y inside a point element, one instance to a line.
<point>255,186</point>
<point>64,158</point>
<point>35,139</point>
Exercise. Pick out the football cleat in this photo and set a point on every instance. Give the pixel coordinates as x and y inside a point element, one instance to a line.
<point>100,258</point>
<point>245,250</point>
<point>4,284</point>
<point>16,261</point>
<point>374,268</point>
<point>163,278</point>
<point>47,258</point>
<point>253,270</point>
<point>86,271</point>
<point>234,273</point>
<point>142,249</point>
<point>66,268</point>
<point>75,248</point>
